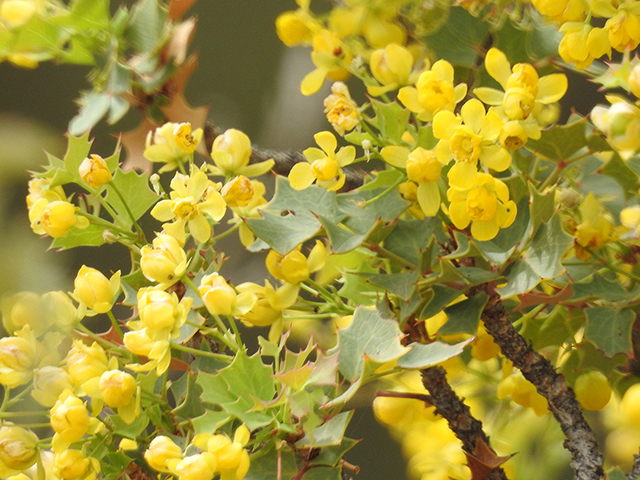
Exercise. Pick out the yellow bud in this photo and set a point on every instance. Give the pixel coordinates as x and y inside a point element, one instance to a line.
<point>513,135</point>
<point>71,465</point>
<point>53,218</point>
<point>95,290</point>
<point>18,357</point>
<point>593,390</point>
<point>292,267</point>
<point>85,362</point>
<point>94,171</point>
<point>117,388</point>
<point>201,466</point>
<point>518,103</point>
<point>325,169</point>
<point>165,262</point>
<point>161,312</point>
<point>18,447</point>
<point>70,418</point>
<point>423,166</point>
<point>292,29</point>
<point>238,192</point>
<point>17,12</point>
<point>218,296</point>
<point>48,384</point>
<point>391,65</point>
<point>161,452</point>
<point>231,150</point>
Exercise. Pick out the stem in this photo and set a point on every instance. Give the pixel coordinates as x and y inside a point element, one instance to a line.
<point>106,343</point>
<point>114,323</point>
<point>105,223</point>
<point>202,353</point>
<point>387,191</point>
<point>383,252</point>
<point>129,212</point>
<point>213,240</point>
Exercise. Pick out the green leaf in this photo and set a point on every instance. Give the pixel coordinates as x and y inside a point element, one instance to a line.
<point>267,462</point>
<point>93,106</point>
<point>129,431</point>
<point>610,329</point>
<point>80,237</point>
<point>401,284</point>
<point>210,421</point>
<point>239,386</point>
<point>283,234</point>
<point>560,142</point>
<point>329,433</point>
<point>135,190</point>
<point>542,41</point>
<point>440,297</point>
<point>86,14</point>
<point>463,317</point>
<point>332,454</point>
<point>147,23</point>
<point>410,237</point>
<point>190,405</point>
<point>368,335</point>
<point>422,356</point>
<point>512,40</point>
<point>618,170</point>
<point>358,290</point>
<point>541,207</point>
<point>323,472</point>
<point>341,239</point>
<point>392,120</point>
<point>598,287</point>
<point>460,38</point>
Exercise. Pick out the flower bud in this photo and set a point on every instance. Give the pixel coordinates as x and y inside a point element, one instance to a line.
<point>201,466</point>
<point>621,125</point>
<point>162,453</point>
<point>218,296</point>
<point>86,362</point>
<point>231,150</point>
<point>513,135</point>
<point>238,192</point>
<point>54,218</point>
<point>161,312</point>
<point>138,342</point>
<point>423,166</point>
<point>18,447</point>
<point>71,465</point>
<point>292,267</point>
<point>17,12</point>
<point>292,29</point>
<point>117,388</point>
<point>48,384</point>
<point>18,357</point>
<point>391,65</point>
<point>165,262</point>
<point>94,290</point>
<point>94,171</point>
<point>518,103</point>
<point>70,418</point>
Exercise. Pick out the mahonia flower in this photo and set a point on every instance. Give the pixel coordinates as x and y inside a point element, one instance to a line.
<point>582,44</point>
<point>95,291</point>
<point>391,66</point>
<point>485,205</point>
<point>231,153</point>
<point>48,384</point>
<point>520,390</point>
<point>200,466</point>
<point>232,460</point>
<point>467,138</point>
<point>139,342</point>
<point>342,112</point>
<point>18,449</point>
<point>297,27</point>
<point>294,267</point>
<point>171,144</point>
<point>434,91</point>
<point>119,390</point>
<point>630,218</point>
<point>596,227</point>
<point>524,93</point>
<point>161,313</point>
<point>329,55</point>
<point>620,123</point>
<point>237,192</point>
<point>163,454</point>
<point>18,357</point>
<point>69,419</point>
<point>41,312</point>
<point>18,12</point>
<point>220,298</point>
<point>164,262</point>
<point>40,188</point>
<point>71,464</point>
<point>85,364</point>
<point>324,166</point>
<point>424,168</point>
<point>409,191</point>
<point>94,171</point>
<point>251,210</point>
<point>623,24</point>
<point>55,218</point>
<point>191,198</point>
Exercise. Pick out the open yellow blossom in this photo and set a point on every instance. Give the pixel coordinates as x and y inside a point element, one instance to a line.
<point>342,112</point>
<point>94,171</point>
<point>163,454</point>
<point>620,123</point>
<point>40,188</point>
<point>582,44</point>
<point>324,166</point>
<point>623,24</point>
<point>467,138</point>
<point>524,92</point>
<point>251,210</point>
<point>171,144</point>
<point>485,205</point>
<point>192,198</point>
<point>18,357</point>
<point>391,66</point>
<point>48,383</point>
<point>434,91</point>
<point>232,460</point>
<point>85,363</point>
<point>329,56</point>
<point>294,267</point>
<point>237,192</point>
<point>596,227</point>
<point>55,218</point>
<point>220,298</point>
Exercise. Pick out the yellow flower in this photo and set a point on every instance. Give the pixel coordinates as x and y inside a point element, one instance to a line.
<point>485,205</point>
<point>191,198</point>
<point>324,166</point>
<point>17,12</point>
<point>85,363</point>
<point>220,298</point>
<point>48,383</point>
<point>296,27</point>
<point>40,188</point>
<point>172,143</point>
<point>329,55</point>
<point>94,171</point>
<point>163,454</point>
<point>237,192</point>
<point>294,267</point>
<point>375,21</point>
<point>18,357</point>
<point>630,218</point>
<point>522,392</point>
<point>157,351</point>
<point>468,137</point>
<point>620,123</point>
<point>164,262</point>
<point>18,448</point>
<point>73,464</point>
<point>70,418</point>
<point>40,312</point>
<point>581,44</point>
<point>524,93</point>
<point>232,460</point>
<point>391,66</point>
<point>251,210</point>
<point>434,92</point>
<point>624,27</point>
<point>201,466</point>
<point>231,153</point>
<point>512,135</point>
<point>117,388</point>
<point>55,218</point>
<point>161,313</point>
<point>342,112</point>
<point>596,227</point>
<point>94,290</point>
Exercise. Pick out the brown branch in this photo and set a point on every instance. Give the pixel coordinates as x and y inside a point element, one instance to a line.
<point>586,460</point>
<point>465,426</point>
<point>284,161</point>
<point>634,474</point>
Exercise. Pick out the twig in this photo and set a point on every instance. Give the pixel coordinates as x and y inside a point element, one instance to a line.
<point>634,474</point>
<point>466,427</point>
<point>586,460</point>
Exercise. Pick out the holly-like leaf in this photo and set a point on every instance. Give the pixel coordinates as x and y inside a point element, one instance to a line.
<point>210,421</point>
<point>392,119</point>
<point>401,284</point>
<point>93,106</point>
<point>236,389</point>
<point>135,190</point>
<point>610,329</point>
<point>410,237</point>
<point>598,287</point>
<point>267,461</point>
<point>542,206</point>
<point>560,142</point>
<point>422,356</point>
<point>463,317</point>
<point>329,433</point>
<point>483,461</point>
<point>90,236</point>
<point>618,170</point>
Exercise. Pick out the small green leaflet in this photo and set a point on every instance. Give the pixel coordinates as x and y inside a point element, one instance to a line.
<point>560,142</point>
<point>610,329</point>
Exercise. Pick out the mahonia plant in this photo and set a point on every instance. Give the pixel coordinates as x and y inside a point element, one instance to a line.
<point>483,269</point>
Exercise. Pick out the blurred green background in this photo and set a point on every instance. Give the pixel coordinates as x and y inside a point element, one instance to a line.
<point>249,79</point>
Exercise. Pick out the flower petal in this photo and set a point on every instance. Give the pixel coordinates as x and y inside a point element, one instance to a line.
<point>463,175</point>
<point>472,113</point>
<point>429,198</point>
<point>443,71</point>
<point>552,88</point>
<point>488,95</point>
<point>495,158</point>
<point>200,228</point>
<point>326,141</point>
<point>162,211</point>
<point>312,81</point>
<point>409,98</point>
<point>459,215</point>
<point>444,124</point>
<point>346,155</point>
<point>484,231</point>
<point>214,206</point>
<point>301,176</point>
<point>498,66</point>
<point>394,155</point>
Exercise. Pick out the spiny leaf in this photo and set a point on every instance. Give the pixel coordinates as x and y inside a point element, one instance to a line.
<point>329,433</point>
<point>617,169</point>
<point>463,317</point>
<point>560,142</point>
<point>135,189</point>
<point>610,329</point>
